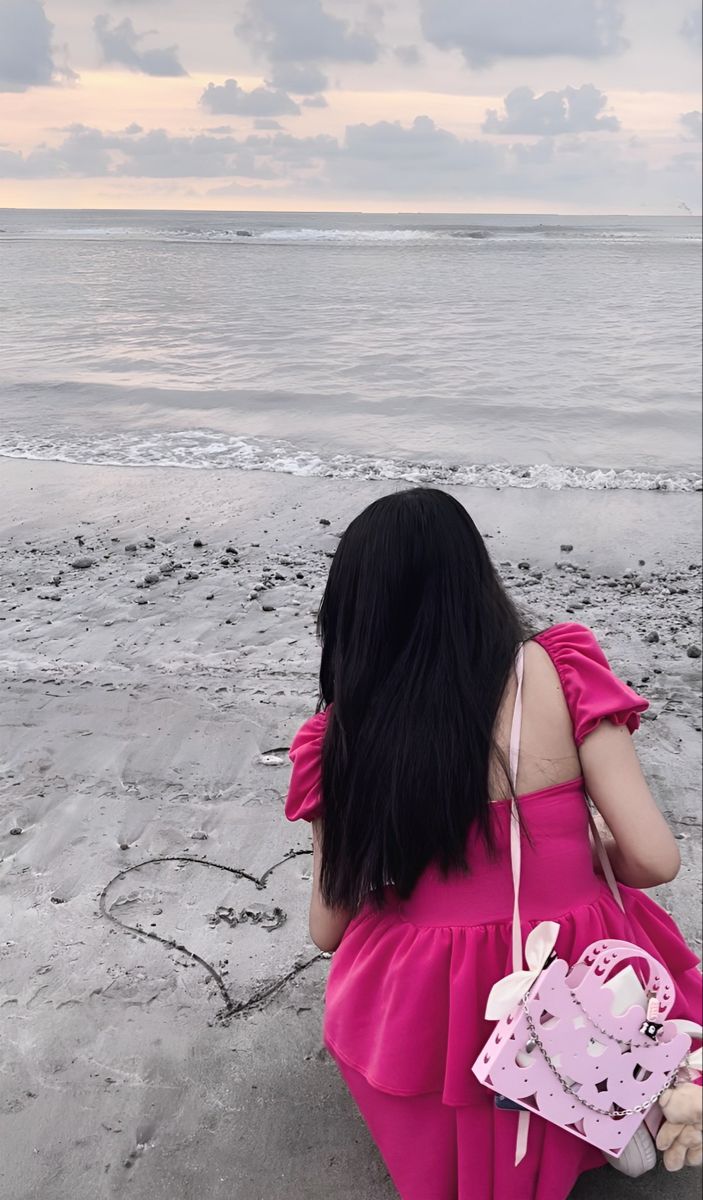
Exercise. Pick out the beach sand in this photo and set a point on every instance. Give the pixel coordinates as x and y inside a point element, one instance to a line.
<point>146,706</point>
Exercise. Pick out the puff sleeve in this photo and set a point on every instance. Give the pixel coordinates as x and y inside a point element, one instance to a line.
<point>304,799</point>
<point>592,690</point>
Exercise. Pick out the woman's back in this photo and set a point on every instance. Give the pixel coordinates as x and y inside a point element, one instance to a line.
<point>548,752</point>
<point>419,971</point>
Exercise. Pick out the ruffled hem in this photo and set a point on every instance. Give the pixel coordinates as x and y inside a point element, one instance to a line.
<point>405,1004</point>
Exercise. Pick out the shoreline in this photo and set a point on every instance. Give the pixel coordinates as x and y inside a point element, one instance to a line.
<point>146,703</point>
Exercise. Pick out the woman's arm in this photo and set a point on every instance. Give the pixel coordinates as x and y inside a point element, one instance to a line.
<point>327,925</point>
<point>642,849</point>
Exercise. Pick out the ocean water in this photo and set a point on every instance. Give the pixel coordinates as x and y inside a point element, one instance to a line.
<point>513,351</point>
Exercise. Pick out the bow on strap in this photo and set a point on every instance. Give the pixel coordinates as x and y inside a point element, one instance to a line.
<point>508,992</point>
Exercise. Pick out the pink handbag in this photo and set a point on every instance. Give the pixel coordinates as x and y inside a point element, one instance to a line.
<point>587,1047</point>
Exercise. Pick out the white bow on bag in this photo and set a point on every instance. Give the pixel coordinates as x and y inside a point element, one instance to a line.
<point>508,992</point>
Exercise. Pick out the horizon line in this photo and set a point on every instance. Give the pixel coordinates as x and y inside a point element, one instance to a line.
<point>346,212</point>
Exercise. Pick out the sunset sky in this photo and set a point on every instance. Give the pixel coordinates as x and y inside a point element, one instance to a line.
<point>414,105</point>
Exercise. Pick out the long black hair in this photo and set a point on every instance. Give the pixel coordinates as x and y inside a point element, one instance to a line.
<point>418,639</point>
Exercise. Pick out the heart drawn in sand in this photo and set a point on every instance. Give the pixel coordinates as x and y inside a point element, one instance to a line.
<point>267,919</point>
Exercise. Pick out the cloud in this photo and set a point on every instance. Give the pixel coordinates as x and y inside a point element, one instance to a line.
<point>571,110</point>
<point>691,28</point>
<point>417,159</point>
<point>155,154</point>
<point>301,31</point>
<point>26,50</point>
<point>303,79</point>
<point>409,56</point>
<point>386,159</point>
<point>295,152</point>
<point>486,30</point>
<point>121,44</point>
<point>265,123</point>
<point>314,102</point>
<point>692,125</point>
<point>229,97</point>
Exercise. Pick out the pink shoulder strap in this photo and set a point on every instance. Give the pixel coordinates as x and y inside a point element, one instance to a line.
<point>515,839</point>
<point>515,843</point>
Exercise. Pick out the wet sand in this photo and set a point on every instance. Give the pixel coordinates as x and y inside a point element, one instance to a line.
<point>157,653</point>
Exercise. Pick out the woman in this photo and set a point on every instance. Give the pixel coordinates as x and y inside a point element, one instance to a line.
<point>404,773</point>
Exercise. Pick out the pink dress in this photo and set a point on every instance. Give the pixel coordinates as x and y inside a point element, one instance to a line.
<point>407,988</point>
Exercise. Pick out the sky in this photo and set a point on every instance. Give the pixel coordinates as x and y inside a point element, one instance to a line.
<point>534,106</point>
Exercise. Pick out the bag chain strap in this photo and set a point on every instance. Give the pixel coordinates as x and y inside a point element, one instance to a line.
<point>569,1087</point>
<point>611,1036</point>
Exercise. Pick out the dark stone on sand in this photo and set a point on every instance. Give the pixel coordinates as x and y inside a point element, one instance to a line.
<point>199,836</point>
<point>81,564</point>
<point>278,575</point>
<point>210,596</point>
<point>653,636</point>
<point>131,548</point>
<point>55,580</point>
<point>324,521</point>
<point>267,608</point>
<point>243,233</point>
<point>124,845</point>
<point>152,577</point>
<point>231,550</point>
<point>192,575</point>
<point>142,600</point>
<point>524,565</point>
<point>694,651</point>
<point>566,547</point>
<point>197,543</point>
<point>16,831</point>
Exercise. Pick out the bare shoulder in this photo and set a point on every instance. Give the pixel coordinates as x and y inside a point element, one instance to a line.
<point>540,668</point>
<point>545,703</point>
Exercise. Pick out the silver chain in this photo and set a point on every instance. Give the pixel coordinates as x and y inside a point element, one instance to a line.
<point>569,1087</point>
<point>611,1036</point>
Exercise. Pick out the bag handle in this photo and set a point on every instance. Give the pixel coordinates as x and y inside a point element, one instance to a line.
<point>603,957</point>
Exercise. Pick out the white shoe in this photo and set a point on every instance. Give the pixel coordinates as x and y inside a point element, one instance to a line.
<point>638,1157</point>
